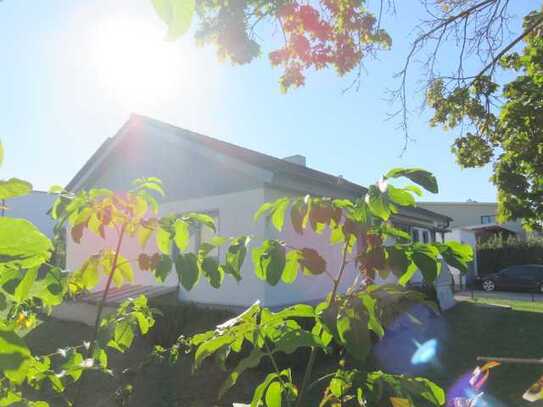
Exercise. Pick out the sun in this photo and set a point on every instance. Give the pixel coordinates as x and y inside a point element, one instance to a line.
<point>134,63</point>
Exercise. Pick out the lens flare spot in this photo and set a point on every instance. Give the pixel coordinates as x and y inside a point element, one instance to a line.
<point>425,352</point>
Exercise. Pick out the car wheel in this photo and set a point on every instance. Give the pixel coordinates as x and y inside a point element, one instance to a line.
<point>488,285</point>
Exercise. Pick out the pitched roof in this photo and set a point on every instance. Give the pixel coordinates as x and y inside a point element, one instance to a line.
<point>261,160</point>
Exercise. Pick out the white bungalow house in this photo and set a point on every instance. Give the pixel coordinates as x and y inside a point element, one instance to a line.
<point>230,182</point>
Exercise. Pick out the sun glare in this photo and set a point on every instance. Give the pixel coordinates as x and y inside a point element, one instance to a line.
<point>135,64</point>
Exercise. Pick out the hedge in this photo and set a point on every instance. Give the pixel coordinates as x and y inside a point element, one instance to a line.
<point>498,253</point>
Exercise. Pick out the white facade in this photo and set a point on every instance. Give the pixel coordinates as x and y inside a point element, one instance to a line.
<point>234,218</point>
<point>472,213</point>
<point>33,207</point>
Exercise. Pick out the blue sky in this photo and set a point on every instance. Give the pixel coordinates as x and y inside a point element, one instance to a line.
<point>73,71</point>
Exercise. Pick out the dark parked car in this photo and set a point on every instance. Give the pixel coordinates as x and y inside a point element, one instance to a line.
<point>525,277</point>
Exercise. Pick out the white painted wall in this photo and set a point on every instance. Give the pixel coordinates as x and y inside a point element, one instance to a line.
<point>306,288</point>
<point>235,212</point>
<point>467,237</point>
<point>33,207</point>
<point>235,217</point>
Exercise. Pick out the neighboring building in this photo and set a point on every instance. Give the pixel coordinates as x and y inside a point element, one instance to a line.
<point>473,222</point>
<point>481,217</point>
<point>33,207</point>
<point>208,175</point>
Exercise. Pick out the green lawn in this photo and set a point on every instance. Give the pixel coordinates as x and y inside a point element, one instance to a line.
<point>531,306</point>
<point>470,330</point>
<point>463,333</point>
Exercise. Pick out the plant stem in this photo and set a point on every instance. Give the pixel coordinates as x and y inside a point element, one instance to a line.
<point>341,270</point>
<point>100,310</point>
<point>313,354</point>
<point>307,375</point>
<point>102,302</point>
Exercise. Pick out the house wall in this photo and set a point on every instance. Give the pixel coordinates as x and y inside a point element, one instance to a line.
<point>305,288</point>
<point>235,218</point>
<point>33,207</point>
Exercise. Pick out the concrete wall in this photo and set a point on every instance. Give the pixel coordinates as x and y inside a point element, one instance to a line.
<point>33,207</point>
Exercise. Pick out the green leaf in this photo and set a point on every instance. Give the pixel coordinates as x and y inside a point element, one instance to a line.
<point>433,392</point>
<point>100,356</point>
<point>354,334</point>
<point>408,274</point>
<point>426,259</point>
<point>177,14</point>
<point>143,322</point>
<point>202,218</point>
<point>163,241</point>
<point>269,261</point>
<point>187,269</point>
<point>123,335</point>
<point>182,234</point>
<point>278,216</point>
<point>260,391</point>
<point>274,394</point>
<point>164,268</point>
<point>22,245</point>
<point>125,269</point>
<point>249,362</point>
<point>264,209</point>
<point>143,233</point>
<point>209,346</point>
<point>88,275</point>
<point>292,264</point>
<point>56,189</point>
<point>14,187</point>
<point>376,203</point>
<point>370,304</point>
<point>15,357</point>
<point>294,339</point>
<point>457,255</point>
<point>73,365</point>
<point>24,286</point>
<point>419,176</point>
<point>391,231</point>
<point>235,256</point>
<point>297,311</point>
<point>400,196</point>
<point>215,275</point>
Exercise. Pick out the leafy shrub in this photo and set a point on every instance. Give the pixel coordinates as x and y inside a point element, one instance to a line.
<point>498,253</point>
<point>173,320</point>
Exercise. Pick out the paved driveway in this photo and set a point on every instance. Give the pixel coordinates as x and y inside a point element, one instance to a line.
<point>506,295</point>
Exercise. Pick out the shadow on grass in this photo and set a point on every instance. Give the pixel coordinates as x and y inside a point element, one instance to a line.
<point>462,333</point>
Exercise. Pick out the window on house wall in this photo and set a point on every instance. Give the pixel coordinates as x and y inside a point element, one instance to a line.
<point>425,236</point>
<point>486,219</point>
<point>200,234</point>
<point>422,235</point>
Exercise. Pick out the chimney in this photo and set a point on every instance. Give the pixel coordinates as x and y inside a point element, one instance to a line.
<point>296,159</point>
